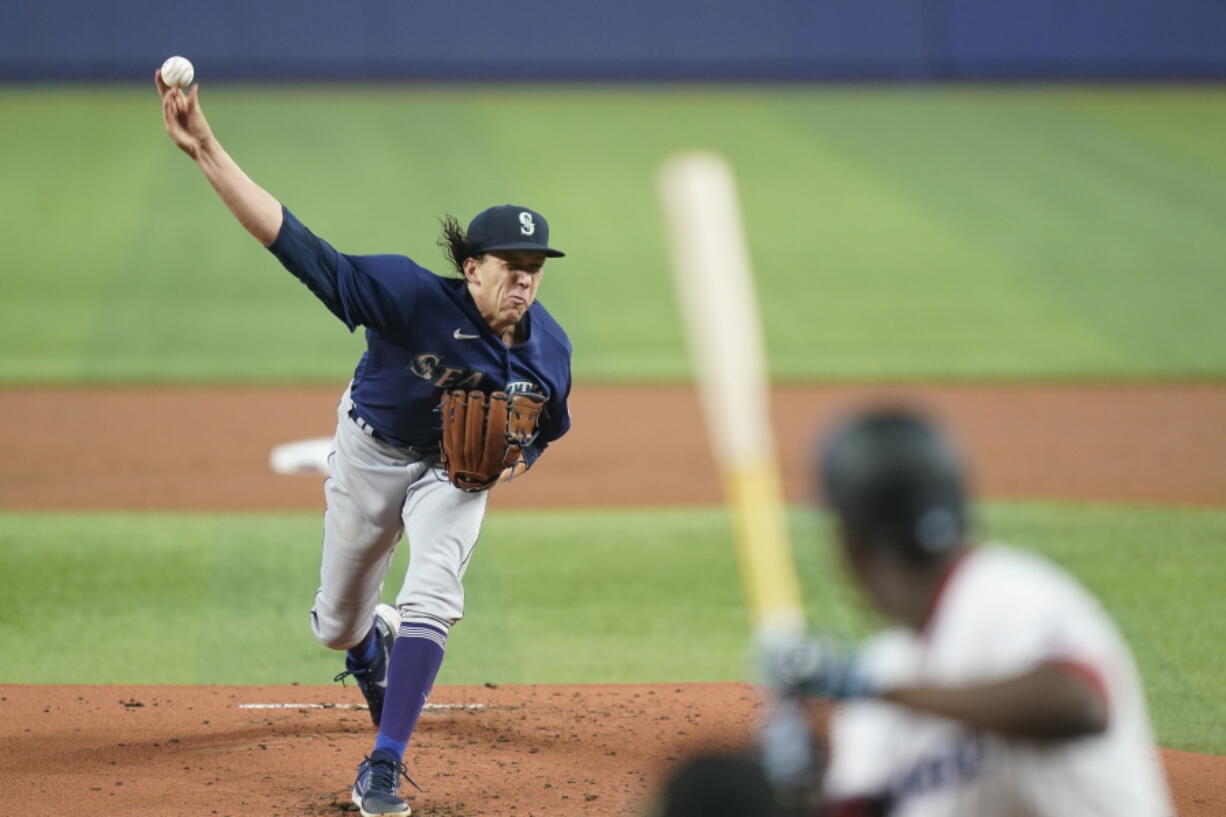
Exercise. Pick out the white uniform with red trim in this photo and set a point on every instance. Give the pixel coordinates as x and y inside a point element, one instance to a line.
<point>999,613</point>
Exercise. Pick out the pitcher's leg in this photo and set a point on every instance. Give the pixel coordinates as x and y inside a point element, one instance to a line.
<point>351,575</point>
<point>365,496</point>
<point>442,523</point>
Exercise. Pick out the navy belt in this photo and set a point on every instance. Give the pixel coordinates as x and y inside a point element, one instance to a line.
<point>369,430</point>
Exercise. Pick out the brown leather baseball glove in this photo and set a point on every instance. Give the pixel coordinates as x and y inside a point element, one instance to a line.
<point>485,434</point>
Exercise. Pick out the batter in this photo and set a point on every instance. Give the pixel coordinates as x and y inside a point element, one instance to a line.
<point>481,331</point>
<point>1004,691</point>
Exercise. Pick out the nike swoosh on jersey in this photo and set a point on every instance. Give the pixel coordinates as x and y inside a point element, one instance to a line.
<point>461,336</point>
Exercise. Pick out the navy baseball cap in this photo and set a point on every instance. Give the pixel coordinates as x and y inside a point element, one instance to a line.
<point>509,227</point>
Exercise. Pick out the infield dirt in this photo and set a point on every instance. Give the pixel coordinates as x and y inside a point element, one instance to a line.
<point>207,448</point>
<point>533,751</point>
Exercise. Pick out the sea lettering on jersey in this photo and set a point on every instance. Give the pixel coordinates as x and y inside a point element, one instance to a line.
<point>430,367</point>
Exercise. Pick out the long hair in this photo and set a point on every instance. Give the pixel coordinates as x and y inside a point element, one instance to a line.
<point>454,242</point>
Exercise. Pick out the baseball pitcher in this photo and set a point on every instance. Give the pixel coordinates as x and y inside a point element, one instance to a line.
<point>464,382</point>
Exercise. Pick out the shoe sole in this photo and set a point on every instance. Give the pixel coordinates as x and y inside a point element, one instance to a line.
<point>390,616</point>
<point>357,801</point>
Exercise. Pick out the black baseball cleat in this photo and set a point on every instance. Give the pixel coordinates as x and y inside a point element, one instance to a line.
<point>372,679</point>
<point>376,786</point>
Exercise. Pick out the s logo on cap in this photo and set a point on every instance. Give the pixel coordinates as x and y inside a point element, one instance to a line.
<point>526,225</point>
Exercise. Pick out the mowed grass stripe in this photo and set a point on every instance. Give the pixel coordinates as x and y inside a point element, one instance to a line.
<point>897,233</point>
<point>582,596</point>
<point>77,171</point>
<point>878,274</point>
<point>1062,190</point>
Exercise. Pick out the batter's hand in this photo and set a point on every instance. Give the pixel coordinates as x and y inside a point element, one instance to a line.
<point>185,121</point>
<point>812,665</point>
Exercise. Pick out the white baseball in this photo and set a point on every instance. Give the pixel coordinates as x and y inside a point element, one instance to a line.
<point>177,72</point>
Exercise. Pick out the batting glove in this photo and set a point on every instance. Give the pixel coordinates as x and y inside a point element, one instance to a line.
<point>817,666</point>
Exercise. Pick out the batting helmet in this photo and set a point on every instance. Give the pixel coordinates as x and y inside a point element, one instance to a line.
<point>895,481</point>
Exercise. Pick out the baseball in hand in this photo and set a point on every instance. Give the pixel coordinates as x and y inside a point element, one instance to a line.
<point>177,72</point>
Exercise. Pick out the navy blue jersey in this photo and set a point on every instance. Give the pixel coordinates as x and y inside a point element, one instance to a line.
<point>424,334</point>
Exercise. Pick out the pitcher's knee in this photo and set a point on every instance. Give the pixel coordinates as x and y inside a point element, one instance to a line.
<point>339,633</point>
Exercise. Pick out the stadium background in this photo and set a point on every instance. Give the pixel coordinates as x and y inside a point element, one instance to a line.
<point>939,195</point>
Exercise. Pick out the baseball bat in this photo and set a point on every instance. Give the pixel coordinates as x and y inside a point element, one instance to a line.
<point>714,283</point>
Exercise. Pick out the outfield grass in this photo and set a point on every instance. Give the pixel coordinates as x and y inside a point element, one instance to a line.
<point>600,596</point>
<point>898,233</point>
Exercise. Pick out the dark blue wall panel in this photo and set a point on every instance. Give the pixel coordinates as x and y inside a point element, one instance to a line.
<point>631,39</point>
<point>1088,37</point>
